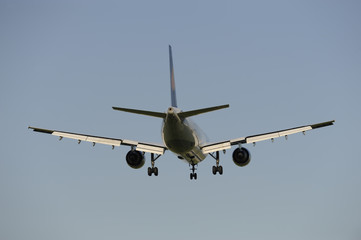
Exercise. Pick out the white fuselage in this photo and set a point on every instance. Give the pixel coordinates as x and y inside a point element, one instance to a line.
<point>183,137</point>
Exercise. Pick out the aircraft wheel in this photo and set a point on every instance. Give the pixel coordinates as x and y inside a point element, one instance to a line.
<point>150,171</point>
<point>195,176</point>
<point>191,176</point>
<point>220,170</point>
<point>214,170</point>
<point>155,170</point>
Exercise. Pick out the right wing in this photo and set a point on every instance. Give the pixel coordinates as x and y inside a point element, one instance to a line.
<point>140,146</point>
<point>214,147</point>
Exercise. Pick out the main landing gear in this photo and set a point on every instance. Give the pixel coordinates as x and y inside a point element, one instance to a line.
<point>216,168</point>
<point>153,169</point>
<point>193,174</point>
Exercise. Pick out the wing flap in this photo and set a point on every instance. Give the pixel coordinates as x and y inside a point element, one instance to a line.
<point>88,138</point>
<point>283,133</point>
<point>149,148</point>
<point>216,147</point>
<point>261,137</point>
<point>70,135</point>
<point>105,141</point>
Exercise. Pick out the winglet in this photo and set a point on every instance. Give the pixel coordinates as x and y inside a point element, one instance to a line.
<point>324,124</point>
<point>42,130</point>
<point>172,82</point>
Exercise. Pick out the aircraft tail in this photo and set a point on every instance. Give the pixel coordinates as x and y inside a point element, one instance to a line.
<point>172,82</point>
<point>174,100</point>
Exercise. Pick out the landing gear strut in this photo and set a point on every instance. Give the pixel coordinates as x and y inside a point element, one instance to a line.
<point>216,168</point>
<point>153,169</point>
<point>193,173</point>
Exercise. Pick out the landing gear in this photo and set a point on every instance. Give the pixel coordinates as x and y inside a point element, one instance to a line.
<point>193,174</point>
<point>217,168</point>
<point>153,169</point>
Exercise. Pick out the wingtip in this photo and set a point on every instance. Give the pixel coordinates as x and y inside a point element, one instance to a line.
<point>331,122</point>
<point>323,124</point>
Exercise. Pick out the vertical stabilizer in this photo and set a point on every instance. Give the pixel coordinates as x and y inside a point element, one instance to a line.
<point>172,82</point>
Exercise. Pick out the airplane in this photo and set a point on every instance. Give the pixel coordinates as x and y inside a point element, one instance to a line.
<point>182,136</point>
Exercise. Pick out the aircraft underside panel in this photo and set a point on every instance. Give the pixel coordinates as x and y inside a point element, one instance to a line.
<point>195,156</point>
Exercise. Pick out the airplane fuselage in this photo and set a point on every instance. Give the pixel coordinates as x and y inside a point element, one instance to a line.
<point>183,137</point>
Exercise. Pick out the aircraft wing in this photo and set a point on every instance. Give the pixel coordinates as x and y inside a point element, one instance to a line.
<point>209,148</point>
<point>114,142</point>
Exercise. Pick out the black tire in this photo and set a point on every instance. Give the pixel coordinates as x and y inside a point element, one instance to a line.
<point>155,170</point>
<point>214,170</point>
<point>150,172</point>
<point>220,170</point>
<point>191,176</point>
<point>195,176</point>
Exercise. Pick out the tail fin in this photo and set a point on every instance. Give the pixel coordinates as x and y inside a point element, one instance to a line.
<point>172,82</point>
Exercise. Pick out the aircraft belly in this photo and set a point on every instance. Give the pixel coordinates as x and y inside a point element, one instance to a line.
<point>178,138</point>
<point>184,143</point>
<point>194,156</point>
<point>182,137</point>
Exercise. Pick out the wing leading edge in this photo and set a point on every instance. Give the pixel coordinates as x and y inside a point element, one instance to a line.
<point>114,142</point>
<point>209,148</point>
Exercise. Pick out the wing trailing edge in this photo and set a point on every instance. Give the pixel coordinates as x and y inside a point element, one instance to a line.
<point>218,146</point>
<point>114,142</point>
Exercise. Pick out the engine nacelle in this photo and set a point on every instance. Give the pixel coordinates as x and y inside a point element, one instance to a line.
<point>241,157</point>
<point>135,159</point>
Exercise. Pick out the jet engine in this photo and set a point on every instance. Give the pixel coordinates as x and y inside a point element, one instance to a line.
<point>135,159</point>
<point>241,157</point>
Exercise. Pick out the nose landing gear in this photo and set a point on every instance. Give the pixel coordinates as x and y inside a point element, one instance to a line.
<point>193,174</point>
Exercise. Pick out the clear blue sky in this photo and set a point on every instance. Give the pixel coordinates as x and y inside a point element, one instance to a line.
<point>279,64</point>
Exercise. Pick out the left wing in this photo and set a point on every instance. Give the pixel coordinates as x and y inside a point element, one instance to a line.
<point>214,147</point>
<point>114,142</point>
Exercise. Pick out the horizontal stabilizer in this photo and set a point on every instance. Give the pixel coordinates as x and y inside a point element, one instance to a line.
<point>136,111</point>
<point>200,111</point>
